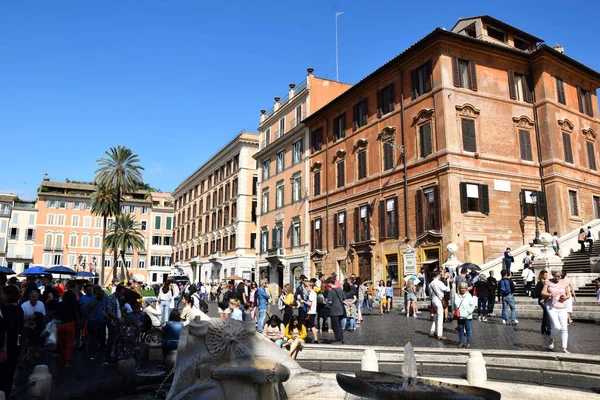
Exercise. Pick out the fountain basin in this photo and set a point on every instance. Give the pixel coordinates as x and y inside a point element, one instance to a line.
<point>383,386</point>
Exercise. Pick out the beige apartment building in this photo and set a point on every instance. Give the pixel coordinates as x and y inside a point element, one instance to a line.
<point>283,227</point>
<point>67,233</point>
<point>5,210</point>
<point>21,235</point>
<point>161,237</point>
<point>215,219</point>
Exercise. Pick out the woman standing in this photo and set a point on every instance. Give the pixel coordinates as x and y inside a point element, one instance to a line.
<point>556,294</point>
<point>252,296</point>
<point>436,290</point>
<point>350,305</point>
<point>464,303</point>
<point>539,287</point>
<point>223,300</point>
<point>164,297</point>
<point>508,259</point>
<point>11,326</point>
<point>389,296</point>
<point>288,309</point>
<point>581,239</point>
<point>362,291</point>
<point>483,293</point>
<point>381,298</point>
<point>411,298</point>
<point>67,312</point>
<point>240,295</point>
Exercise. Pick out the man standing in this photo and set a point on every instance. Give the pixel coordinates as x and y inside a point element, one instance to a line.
<point>436,292</point>
<point>555,245</point>
<point>335,304</point>
<point>421,287</point>
<point>262,298</point>
<point>113,311</point>
<point>506,288</point>
<point>311,304</point>
<point>589,238</point>
<point>300,295</point>
<point>493,288</point>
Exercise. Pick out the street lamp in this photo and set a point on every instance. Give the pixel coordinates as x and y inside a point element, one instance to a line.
<point>534,200</point>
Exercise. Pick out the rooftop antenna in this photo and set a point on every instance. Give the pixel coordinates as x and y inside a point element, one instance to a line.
<point>337,71</point>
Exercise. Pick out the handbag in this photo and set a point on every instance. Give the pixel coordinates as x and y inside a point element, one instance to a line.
<point>456,313</point>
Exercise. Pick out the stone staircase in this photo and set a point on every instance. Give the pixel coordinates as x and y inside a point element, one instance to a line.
<point>584,309</point>
<point>578,262</point>
<point>588,290</point>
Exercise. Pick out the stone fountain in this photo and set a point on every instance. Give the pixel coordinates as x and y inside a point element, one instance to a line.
<point>228,359</point>
<point>383,386</point>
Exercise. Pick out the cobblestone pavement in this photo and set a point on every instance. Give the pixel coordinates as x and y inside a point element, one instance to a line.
<point>395,329</point>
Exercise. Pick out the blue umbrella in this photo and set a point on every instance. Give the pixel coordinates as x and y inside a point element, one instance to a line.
<point>61,270</point>
<point>7,271</point>
<point>36,271</point>
<point>85,274</point>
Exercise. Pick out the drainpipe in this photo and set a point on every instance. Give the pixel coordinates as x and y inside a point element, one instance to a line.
<point>326,164</point>
<point>406,234</point>
<point>536,126</point>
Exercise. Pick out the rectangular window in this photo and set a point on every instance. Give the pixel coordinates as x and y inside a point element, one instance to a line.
<point>141,263</point>
<point>421,80</point>
<point>362,224</point>
<point>297,150</point>
<point>87,222</point>
<point>388,155</point>
<point>157,222</point>
<point>15,218</point>
<point>474,197</point>
<point>32,219</point>
<point>57,259</point>
<point>296,188</point>
<point>156,240</point>
<point>298,115</point>
<point>339,229</point>
<point>468,133</point>
<point>339,127</point>
<point>30,234</point>
<point>585,101</point>
<point>463,74</point>
<point>316,183</point>
<point>295,233</point>
<point>61,219</point>
<point>428,209</point>
<point>591,155</point>
<point>316,140</point>
<point>362,164</point>
<point>425,142</point>
<point>266,170</point>
<point>169,223</point>
<point>496,34</point>
<point>280,161</point>
<point>77,205</point>
<point>85,241</point>
<point>527,206</point>
<point>253,240</point>
<point>279,195</point>
<point>525,145</point>
<point>385,100</point>
<point>277,237</point>
<point>265,202</point>
<point>317,234</point>
<point>519,87</point>
<point>73,240</point>
<point>75,220</point>
<point>281,126</point>
<point>567,148</point>
<point>267,138</point>
<point>360,114</point>
<point>573,203</point>
<point>13,234</point>
<point>596,200</point>
<point>341,180</point>
<point>264,240</point>
<point>97,241</point>
<point>560,91</point>
<point>3,225</point>
<point>391,217</point>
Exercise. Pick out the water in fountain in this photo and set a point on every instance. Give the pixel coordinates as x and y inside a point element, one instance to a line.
<point>409,366</point>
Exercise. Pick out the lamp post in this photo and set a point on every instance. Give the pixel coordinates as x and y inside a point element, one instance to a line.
<point>534,200</point>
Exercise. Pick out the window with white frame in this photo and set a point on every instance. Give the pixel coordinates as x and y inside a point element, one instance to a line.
<point>73,240</point>
<point>280,165</point>
<point>264,239</point>
<point>266,170</point>
<point>144,210</point>
<point>72,259</point>
<point>281,126</point>
<point>14,218</point>
<point>142,263</point>
<point>62,204</point>
<point>279,195</point>
<point>98,222</point>
<point>3,226</point>
<point>47,259</point>
<point>61,219</point>
<point>87,222</point>
<point>28,251</point>
<point>50,219</point>
<point>85,240</point>
<point>48,239</point>
<point>32,219</point>
<point>265,202</point>
<point>296,187</point>
<point>296,232</point>
<point>75,220</point>
<point>97,241</point>
<point>77,205</point>
<point>128,263</point>
<point>58,241</point>
<point>297,150</point>
<point>144,225</point>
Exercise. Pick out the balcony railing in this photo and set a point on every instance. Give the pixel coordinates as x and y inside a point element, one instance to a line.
<point>296,121</point>
<point>58,247</point>
<point>47,247</point>
<point>276,252</point>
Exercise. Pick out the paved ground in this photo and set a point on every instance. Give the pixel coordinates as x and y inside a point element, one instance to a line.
<point>395,329</point>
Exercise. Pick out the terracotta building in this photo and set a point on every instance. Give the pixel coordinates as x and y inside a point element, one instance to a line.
<point>215,223</point>
<point>68,234</point>
<point>283,171</point>
<point>446,143</point>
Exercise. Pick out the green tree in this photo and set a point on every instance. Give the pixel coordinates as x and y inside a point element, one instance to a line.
<point>119,171</point>
<point>105,204</point>
<point>124,236</point>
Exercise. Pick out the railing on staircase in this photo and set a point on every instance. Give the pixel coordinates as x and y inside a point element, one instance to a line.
<point>567,243</point>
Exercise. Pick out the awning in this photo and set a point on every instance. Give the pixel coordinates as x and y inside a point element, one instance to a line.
<point>430,261</point>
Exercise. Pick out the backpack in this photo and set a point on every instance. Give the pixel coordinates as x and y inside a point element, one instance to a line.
<point>280,303</point>
<point>504,287</point>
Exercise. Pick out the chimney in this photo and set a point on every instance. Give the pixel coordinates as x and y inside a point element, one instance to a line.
<point>263,116</point>
<point>276,105</point>
<point>310,70</point>
<point>559,48</point>
<point>291,92</point>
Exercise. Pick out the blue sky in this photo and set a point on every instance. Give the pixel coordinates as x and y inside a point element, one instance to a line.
<point>175,80</point>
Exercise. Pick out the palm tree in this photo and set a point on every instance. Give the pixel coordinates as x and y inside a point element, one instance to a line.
<point>122,237</point>
<point>119,171</point>
<point>105,204</point>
